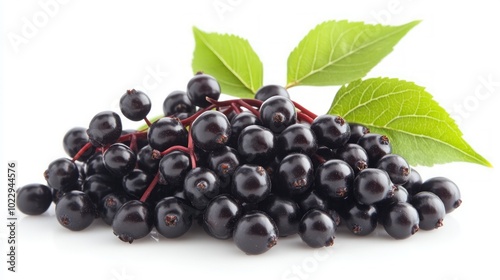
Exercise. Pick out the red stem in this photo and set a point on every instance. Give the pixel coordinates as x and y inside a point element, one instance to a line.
<point>128,137</point>
<point>188,121</point>
<point>227,111</point>
<point>81,151</point>
<point>304,117</point>
<point>251,102</point>
<point>147,121</point>
<point>320,159</point>
<point>190,147</point>
<point>175,148</point>
<point>249,107</point>
<point>133,143</point>
<point>304,110</point>
<point>150,188</point>
<point>236,109</point>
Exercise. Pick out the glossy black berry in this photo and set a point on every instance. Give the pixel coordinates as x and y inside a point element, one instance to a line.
<point>200,186</point>
<point>357,131</point>
<point>376,146</point>
<point>167,132</point>
<point>148,160</point>
<point>360,219</point>
<point>238,123</point>
<point>62,174</point>
<point>285,213</point>
<point>173,217</point>
<point>334,179</point>
<point>133,221</point>
<point>355,156</point>
<point>223,161</point>
<point>256,144</point>
<point>135,105</point>
<point>325,154</point>
<point>178,102</point>
<point>202,86</point>
<point>331,131</point>
<point>221,215</point>
<point>296,175</point>
<point>33,199</point>
<point>430,208</point>
<point>98,186</point>
<point>414,183</point>
<point>401,220</point>
<point>296,138</point>
<point>397,168</point>
<point>255,233</point>
<point>56,195</point>
<point>95,165</point>
<point>335,216</point>
<point>312,200</point>
<point>317,229</point>
<point>74,140</point>
<point>109,205</point>
<point>251,183</point>
<point>211,130</point>
<point>372,185</point>
<point>173,167</point>
<point>400,195</point>
<point>119,159</point>
<point>160,191</point>
<point>277,113</point>
<point>268,91</point>
<point>135,183</point>
<point>104,129</point>
<point>75,211</point>
<point>446,190</point>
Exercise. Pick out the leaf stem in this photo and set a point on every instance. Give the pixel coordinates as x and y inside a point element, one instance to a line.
<point>292,84</point>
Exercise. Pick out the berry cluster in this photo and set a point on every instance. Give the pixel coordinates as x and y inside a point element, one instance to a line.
<point>249,169</point>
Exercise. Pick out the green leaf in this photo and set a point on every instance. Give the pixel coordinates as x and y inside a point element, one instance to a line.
<point>420,130</point>
<point>338,52</point>
<point>231,60</point>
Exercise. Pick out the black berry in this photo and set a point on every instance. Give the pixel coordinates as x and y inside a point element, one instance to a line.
<point>33,199</point>
<point>255,233</point>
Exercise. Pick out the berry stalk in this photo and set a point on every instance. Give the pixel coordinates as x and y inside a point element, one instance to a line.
<point>150,188</point>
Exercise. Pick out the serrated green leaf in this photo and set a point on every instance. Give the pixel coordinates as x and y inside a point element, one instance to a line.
<point>420,130</point>
<point>338,52</point>
<point>231,60</point>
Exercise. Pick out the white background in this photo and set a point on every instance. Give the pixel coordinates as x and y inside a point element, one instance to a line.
<point>80,56</point>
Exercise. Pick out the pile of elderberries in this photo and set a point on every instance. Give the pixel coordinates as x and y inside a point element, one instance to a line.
<point>253,170</point>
